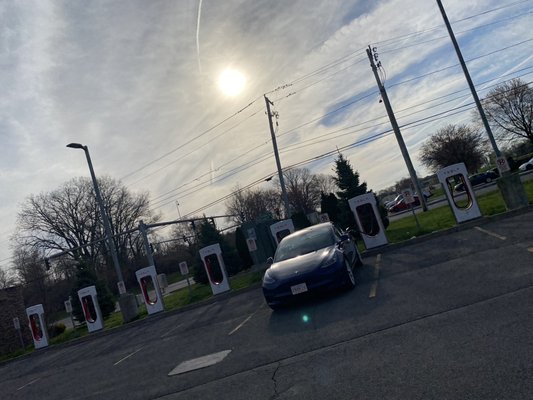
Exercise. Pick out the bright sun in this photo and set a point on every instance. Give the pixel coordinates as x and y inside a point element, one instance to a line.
<point>231,82</point>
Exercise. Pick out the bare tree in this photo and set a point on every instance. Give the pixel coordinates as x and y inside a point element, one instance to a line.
<point>31,272</point>
<point>325,184</point>
<point>68,219</point>
<point>249,205</point>
<point>302,190</point>
<point>453,144</point>
<point>509,108</point>
<point>6,279</point>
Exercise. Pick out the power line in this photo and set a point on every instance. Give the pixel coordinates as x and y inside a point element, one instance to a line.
<point>189,141</point>
<point>437,27</point>
<point>360,142</point>
<point>314,140</point>
<point>319,70</point>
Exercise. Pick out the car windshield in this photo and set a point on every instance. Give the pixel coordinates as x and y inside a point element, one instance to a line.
<point>304,243</point>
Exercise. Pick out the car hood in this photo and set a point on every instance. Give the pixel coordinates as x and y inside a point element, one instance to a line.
<point>300,264</point>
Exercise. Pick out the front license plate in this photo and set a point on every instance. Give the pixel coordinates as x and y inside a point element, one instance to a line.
<point>297,289</point>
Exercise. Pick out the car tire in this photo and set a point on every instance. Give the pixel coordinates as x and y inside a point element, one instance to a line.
<point>488,180</point>
<point>349,275</point>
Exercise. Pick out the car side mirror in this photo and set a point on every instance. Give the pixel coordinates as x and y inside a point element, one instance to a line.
<point>270,260</point>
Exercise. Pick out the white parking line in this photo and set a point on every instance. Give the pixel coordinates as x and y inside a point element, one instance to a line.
<point>374,288</point>
<point>490,233</point>
<point>128,356</point>
<point>243,322</point>
<point>167,333</point>
<point>28,384</point>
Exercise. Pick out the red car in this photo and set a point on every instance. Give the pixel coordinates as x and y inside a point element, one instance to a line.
<point>400,205</point>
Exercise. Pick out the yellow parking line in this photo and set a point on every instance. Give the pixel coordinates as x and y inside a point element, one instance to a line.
<point>374,288</point>
<point>490,233</point>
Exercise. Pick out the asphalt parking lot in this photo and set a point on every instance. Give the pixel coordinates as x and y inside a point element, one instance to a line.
<point>446,317</point>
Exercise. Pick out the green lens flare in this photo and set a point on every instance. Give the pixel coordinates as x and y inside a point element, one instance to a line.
<point>305,318</point>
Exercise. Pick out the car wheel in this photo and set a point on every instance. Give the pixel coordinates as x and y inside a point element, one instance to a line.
<point>350,277</point>
<point>488,180</point>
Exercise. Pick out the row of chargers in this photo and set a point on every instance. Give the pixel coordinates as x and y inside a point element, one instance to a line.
<point>369,223</point>
<point>151,296</point>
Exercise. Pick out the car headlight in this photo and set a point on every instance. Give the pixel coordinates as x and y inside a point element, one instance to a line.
<point>268,279</point>
<point>329,261</point>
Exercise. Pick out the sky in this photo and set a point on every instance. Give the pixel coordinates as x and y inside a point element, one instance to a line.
<point>138,83</point>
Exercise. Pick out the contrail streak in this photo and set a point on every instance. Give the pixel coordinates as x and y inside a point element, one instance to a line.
<point>198,36</point>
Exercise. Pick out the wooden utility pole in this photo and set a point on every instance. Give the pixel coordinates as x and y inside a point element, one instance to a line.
<point>396,129</point>
<point>278,163</point>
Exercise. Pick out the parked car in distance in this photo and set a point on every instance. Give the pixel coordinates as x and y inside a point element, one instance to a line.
<point>478,179</point>
<point>527,166</point>
<point>309,260</point>
<point>401,205</point>
<point>392,202</point>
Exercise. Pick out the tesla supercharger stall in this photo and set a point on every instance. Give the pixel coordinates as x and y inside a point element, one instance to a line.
<point>368,219</point>
<point>464,209</point>
<point>91,308</point>
<point>215,268</point>
<point>281,229</point>
<point>37,326</point>
<point>150,289</point>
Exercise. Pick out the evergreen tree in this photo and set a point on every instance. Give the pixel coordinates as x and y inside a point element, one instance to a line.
<point>300,221</point>
<point>347,180</point>
<point>86,277</point>
<point>330,204</point>
<point>208,235</point>
<point>242,249</point>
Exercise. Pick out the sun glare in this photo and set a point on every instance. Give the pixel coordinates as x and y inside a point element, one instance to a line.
<point>231,82</point>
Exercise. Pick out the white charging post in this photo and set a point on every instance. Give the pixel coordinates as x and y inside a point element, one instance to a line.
<point>464,209</point>
<point>368,220</point>
<point>215,268</point>
<point>281,229</point>
<point>91,308</point>
<point>147,278</point>
<point>37,325</point>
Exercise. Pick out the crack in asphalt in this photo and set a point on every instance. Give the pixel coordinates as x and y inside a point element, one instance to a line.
<point>276,394</point>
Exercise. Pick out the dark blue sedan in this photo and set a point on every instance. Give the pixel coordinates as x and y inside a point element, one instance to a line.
<point>318,257</point>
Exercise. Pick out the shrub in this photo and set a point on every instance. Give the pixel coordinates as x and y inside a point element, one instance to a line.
<point>56,329</point>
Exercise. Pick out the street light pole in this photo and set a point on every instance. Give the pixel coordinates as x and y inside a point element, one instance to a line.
<point>105,219</point>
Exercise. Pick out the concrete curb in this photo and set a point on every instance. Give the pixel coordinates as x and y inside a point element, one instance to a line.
<point>458,228</point>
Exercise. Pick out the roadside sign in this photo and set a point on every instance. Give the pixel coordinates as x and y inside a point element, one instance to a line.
<point>252,246</point>
<point>121,287</point>
<point>68,306</point>
<point>184,269</point>
<point>252,234</point>
<point>408,196</point>
<point>503,165</point>
<point>16,323</point>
